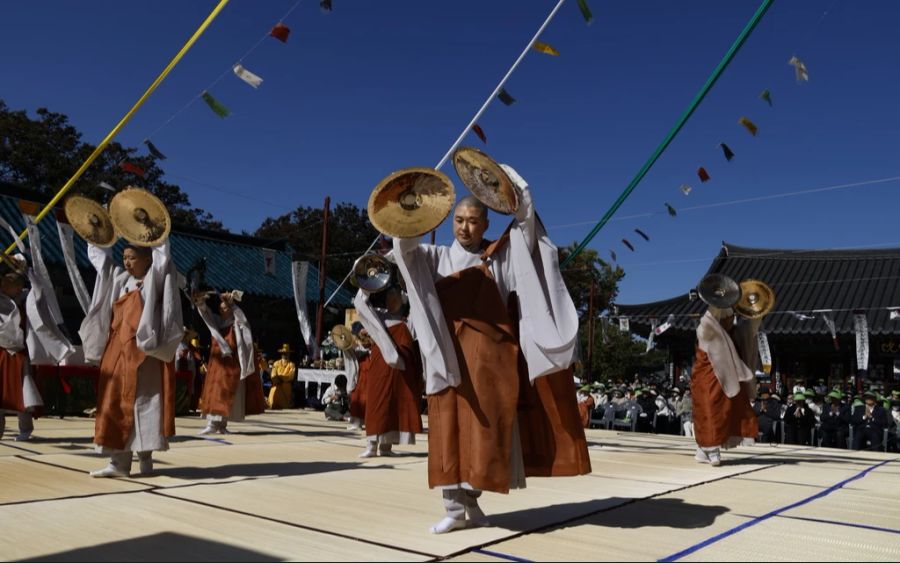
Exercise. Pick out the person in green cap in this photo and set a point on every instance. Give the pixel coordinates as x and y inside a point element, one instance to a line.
<point>869,421</point>
<point>585,405</point>
<point>799,421</point>
<point>835,422</point>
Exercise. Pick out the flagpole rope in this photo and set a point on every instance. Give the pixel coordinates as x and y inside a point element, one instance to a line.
<point>792,312</point>
<point>723,64</point>
<point>478,115</point>
<point>740,201</point>
<point>220,78</point>
<point>109,137</point>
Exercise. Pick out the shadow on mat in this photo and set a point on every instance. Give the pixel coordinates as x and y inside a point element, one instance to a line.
<point>248,470</point>
<point>612,513</point>
<point>166,546</point>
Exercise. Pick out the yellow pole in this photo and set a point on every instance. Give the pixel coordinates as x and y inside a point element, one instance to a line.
<point>102,146</point>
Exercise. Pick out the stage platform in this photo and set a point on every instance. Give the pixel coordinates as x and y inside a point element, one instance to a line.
<point>288,486</point>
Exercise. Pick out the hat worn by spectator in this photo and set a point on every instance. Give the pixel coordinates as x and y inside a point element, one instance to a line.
<point>836,395</point>
<point>870,393</point>
<point>799,396</point>
<point>285,349</point>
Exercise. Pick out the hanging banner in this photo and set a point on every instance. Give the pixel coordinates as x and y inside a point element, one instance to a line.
<point>654,324</point>
<point>665,326</point>
<point>765,354</point>
<point>67,243</point>
<point>832,329</point>
<point>624,324</point>
<point>861,328</point>
<point>247,76</point>
<point>299,273</point>
<point>269,261</point>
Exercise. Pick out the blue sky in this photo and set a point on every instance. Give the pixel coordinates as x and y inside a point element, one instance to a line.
<point>377,86</point>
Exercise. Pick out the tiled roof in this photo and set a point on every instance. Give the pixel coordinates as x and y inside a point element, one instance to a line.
<point>232,261</point>
<point>806,282</point>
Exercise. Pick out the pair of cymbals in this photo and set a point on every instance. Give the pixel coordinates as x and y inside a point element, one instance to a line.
<point>751,298</point>
<point>343,337</point>
<point>134,213</point>
<point>372,273</point>
<point>413,201</point>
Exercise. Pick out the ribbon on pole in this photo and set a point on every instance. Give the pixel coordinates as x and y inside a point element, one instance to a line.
<point>765,354</point>
<point>115,131</point>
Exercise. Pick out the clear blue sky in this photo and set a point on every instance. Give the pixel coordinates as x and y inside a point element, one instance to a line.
<point>377,86</point>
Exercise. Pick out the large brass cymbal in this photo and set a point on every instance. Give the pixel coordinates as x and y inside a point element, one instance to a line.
<point>343,337</point>
<point>757,299</point>
<point>372,273</point>
<point>411,202</point>
<point>486,180</point>
<point>90,220</point>
<point>719,291</point>
<point>140,217</point>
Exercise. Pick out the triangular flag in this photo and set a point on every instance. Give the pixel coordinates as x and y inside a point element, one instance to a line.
<point>325,5</point>
<point>767,96</point>
<point>107,187</point>
<point>686,189</point>
<point>280,32</point>
<point>671,210</point>
<point>613,254</point>
<point>749,125</point>
<point>703,174</point>
<point>799,69</point>
<point>214,105</point>
<point>505,97</point>
<point>480,132</point>
<point>628,244</point>
<point>247,76</point>
<point>585,11</point>
<point>154,151</point>
<point>643,234</point>
<point>134,169</point>
<point>729,154</point>
<point>545,48</point>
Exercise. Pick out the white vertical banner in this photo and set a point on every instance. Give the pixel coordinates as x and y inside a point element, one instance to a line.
<point>861,328</point>
<point>67,243</point>
<point>624,325</point>
<point>765,353</point>
<point>269,261</point>
<point>299,273</point>
<point>832,329</point>
<point>654,324</point>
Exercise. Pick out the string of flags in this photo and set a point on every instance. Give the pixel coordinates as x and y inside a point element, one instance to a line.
<point>802,75</point>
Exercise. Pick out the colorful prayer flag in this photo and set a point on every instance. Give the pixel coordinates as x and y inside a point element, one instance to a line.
<point>154,151</point>
<point>505,97</point>
<point>480,132</point>
<point>767,96</point>
<point>800,71</point>
<point>613,254</point>
<point>749,125</point>
<point>586,11</point>
<point>545,48</point>
<point>247,76</point>
<point>628,244</point>
<point>686,189</point>
<point>671,210</point>
<point>132,168</point>
<point>729,154</point>
<point>214,105</point>
<point>325,5</point>
<point>643,234</point>
<point>703,174</point>
<point>280,32</point>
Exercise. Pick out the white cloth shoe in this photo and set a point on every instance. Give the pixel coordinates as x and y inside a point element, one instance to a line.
<point>208,430</point>
<point>110,471</point>
<point>715,458</point>
<point>368,453</point>
<point>448,524</point>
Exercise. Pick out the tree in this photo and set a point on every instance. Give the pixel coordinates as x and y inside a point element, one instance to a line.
<point>618,355</point>
<point>41,154</point>
<point>349,235</point>
<point>586,268</point>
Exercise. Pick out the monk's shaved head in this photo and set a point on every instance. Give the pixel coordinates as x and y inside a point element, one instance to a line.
<point>475,203</point>
<point>470,221</point>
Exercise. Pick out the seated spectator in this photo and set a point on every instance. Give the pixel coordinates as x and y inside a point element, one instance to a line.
<point>336,399</point>
<point>648,409</point>
<point>869,421</point>
<point>666,422</point>
<point>585,405</point>
<point>799,421</point>
<point>768,413</point>
<point>835,422</point>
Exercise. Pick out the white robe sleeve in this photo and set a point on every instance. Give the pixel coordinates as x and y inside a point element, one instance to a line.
<point>376,328</point>
<point>244,339</point>
<point>94,330</point>
<point>726,362</point>
<point>47,344</point>
<point>215,325</point>
<point>351,369</point>
<point>161,327</point>
<point>12,339</point>
<point>548,321</point>
<point>418,266</point>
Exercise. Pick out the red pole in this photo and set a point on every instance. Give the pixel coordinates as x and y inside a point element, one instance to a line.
<point>320,314</point>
